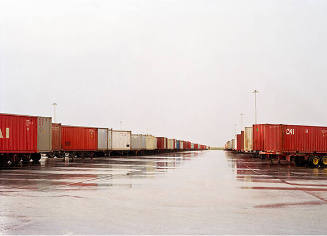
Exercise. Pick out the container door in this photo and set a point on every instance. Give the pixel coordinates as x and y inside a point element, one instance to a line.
<point>44,134</point>
<point>56,137</point>
<point>109,139</point>
<point>102,139</point>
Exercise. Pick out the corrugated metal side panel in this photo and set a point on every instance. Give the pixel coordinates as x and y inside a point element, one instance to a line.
<point>258,137</point>
<point>150,142</point>
<point>233,144</point>
<point>238,140</point>
<point>272,138</point>
<point>177,144</point>
<point>18,134</point>
<point>248,139</point>
<point>161,143</point>
<point>185,145</point>
<point>44,134</point>
<point>121,140</point>
<point>170,145</point>
<point>109,139</point>
<point>75,138</point>
<point>304,139</point>
<point>102,139</point>
<point>56,137</point>
<point>138,142</point>
<point>230,145</point>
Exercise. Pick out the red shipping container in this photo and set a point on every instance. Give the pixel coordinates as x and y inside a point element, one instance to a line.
<point>187,145</point>
<point>295,139</point>
<point>18,134</point>
<point>56,137</point>
<point>238,142</point>
<point>75,138</point>
<point>258,137</point>
<point>196,146</point>
<point>161,143</point>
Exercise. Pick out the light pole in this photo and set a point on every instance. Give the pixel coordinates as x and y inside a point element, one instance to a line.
<point>255,105</point>
<point>121,125</point>
<point>54,111</point>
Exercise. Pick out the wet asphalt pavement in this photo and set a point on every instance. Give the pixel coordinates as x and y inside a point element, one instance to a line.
<point>209,192</point>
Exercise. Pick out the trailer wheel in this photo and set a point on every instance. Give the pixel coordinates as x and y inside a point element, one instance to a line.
<point>36,157</point>
<point>314,161</point>
<point>323,161</point>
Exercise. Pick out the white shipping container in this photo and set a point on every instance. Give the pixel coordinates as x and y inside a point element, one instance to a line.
<point>248,139</point>
<point>170,144</point>
<point>192,146</point>
<point>138,142</point>
<point>102,139</point>
<point>120,140</point>
<point>233,144</point>
<point>230,145</point>
<point>181,145</point>
<point>150,142</point>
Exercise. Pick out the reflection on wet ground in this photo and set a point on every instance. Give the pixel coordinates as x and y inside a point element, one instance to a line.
<point>210,192</point>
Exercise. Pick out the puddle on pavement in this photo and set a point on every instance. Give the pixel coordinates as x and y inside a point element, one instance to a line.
<point>210,192</point>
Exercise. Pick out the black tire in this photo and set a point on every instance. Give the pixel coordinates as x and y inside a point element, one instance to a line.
<point>36,157</point>
<point>323,161</point>
<point>314,161</point>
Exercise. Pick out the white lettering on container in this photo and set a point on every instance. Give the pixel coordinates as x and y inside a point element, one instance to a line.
<point>290,131</point>
<point>7,133</point>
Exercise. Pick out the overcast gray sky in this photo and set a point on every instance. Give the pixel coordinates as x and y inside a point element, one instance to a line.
<point>181,69</point>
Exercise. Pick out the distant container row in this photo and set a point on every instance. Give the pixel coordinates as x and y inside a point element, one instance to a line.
<point>75,138</point>
<point>29,136</point>
<point>301,143</point>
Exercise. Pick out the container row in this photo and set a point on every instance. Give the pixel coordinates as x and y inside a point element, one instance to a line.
<point>298,142</point>
<point>20,134</point>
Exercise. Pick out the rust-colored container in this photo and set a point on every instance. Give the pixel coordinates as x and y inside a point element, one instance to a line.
<point>196,146</point>
<point>282,139</point>
<point>56,137</point>
<point>186,145</point>
<point>161,143</point>
<point>258,137</point>
<point>242,141</point>
<point>238,142</point>
<point>18,134</point>
<point>76,138</point>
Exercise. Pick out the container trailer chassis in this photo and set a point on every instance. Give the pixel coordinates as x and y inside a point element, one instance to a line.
<point>314,159</point>
<point>14,159</point>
